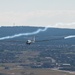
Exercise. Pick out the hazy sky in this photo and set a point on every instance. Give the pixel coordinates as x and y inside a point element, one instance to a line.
<point>54,13</point>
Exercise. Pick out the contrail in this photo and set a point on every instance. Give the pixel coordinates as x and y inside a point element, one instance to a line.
<point>24,34</point>
<point>68,24</point>
<point>71,36</point>
<point>38,31</point>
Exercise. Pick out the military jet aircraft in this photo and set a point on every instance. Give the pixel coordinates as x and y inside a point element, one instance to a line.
<point>28,42</point>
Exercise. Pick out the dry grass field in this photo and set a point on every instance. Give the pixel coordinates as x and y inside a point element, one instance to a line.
<point>29,71</point>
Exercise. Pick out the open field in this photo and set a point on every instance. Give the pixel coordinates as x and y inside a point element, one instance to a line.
<point>29,71</point>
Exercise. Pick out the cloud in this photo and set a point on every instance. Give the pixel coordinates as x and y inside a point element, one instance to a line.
<point>40,18</point>
<point>64,25</point>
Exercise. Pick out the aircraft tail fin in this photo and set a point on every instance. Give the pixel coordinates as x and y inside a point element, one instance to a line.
<point>33,39</point>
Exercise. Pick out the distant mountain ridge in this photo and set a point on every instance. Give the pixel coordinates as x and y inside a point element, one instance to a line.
<point>9,31</point>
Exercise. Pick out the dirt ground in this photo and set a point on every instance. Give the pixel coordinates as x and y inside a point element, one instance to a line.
<point>29,71</point>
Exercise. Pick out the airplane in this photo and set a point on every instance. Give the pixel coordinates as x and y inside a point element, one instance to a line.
<point>28,42</point>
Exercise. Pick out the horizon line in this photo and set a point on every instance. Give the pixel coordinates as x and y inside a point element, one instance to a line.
<point>34,26</point>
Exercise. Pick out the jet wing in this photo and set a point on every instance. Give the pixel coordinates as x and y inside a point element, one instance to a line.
<point>50,39</point>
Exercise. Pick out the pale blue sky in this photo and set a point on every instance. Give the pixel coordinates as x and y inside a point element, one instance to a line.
<point>38,12</point>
